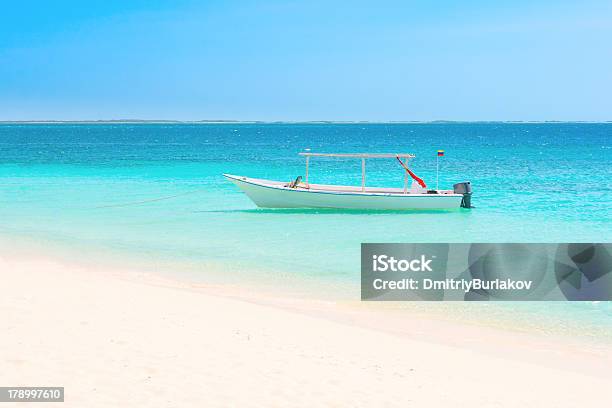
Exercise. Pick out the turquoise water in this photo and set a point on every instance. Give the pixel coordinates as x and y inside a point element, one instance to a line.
<point>90,186</point>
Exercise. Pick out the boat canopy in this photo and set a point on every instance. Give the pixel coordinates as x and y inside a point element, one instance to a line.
<point>361,155</point>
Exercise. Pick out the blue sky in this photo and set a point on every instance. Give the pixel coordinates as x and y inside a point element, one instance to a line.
<point>306,60</point>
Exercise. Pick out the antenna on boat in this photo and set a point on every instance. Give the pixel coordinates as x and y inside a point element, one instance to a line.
<point>307,160</point>
<point>440,154</point>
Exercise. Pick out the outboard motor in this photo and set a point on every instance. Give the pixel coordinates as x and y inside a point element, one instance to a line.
<point>465,189</point>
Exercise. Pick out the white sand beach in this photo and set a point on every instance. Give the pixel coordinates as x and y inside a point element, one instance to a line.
<point>114,338</point>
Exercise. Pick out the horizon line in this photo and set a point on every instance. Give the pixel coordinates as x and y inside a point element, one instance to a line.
<point>237,121</point>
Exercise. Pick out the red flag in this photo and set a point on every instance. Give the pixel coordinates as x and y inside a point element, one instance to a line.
<point>414,176</point>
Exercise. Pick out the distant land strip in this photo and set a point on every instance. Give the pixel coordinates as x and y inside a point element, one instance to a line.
<point>230,121</point>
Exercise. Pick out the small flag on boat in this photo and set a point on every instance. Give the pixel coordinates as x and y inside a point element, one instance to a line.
<point>440,153</point>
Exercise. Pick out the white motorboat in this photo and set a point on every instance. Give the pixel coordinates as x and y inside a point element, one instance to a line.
<point>302,194</point>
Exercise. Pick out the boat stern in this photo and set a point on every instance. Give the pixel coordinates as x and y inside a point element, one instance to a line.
<point>465,189</point>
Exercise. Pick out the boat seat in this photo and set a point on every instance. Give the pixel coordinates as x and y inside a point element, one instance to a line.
<point>295,183</point>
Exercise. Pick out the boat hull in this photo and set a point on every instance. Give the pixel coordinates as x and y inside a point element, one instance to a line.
<point>271,194</point>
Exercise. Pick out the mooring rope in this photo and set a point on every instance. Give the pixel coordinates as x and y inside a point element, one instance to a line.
<point>149,201</point>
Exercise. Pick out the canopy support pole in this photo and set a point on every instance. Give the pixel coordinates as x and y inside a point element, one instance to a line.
<point>362,174</point>
<point>406,179</point>
<point>307,159</point>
